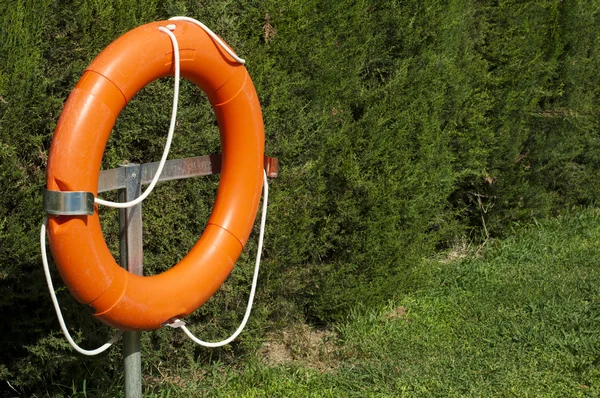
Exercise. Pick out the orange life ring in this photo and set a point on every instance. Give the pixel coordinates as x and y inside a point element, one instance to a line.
<point>84,261</point>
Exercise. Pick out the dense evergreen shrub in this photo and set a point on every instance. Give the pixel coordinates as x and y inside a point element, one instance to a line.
<point>399,127</point>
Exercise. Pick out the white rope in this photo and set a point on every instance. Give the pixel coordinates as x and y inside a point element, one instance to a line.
<point>144,195</point>
<point>212,35</point>
<point>59,315</point>
<point>263,219</point>
<point>167,30</point>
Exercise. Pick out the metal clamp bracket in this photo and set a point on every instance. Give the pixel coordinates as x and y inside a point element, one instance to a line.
<point>69,203</point>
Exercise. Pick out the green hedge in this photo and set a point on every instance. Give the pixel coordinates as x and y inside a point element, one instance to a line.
<point>399,126</point>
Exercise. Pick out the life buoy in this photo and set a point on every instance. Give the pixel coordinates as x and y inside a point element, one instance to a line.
<point>119,298</point>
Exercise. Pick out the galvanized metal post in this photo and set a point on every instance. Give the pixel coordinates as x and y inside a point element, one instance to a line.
<point>131,253</point>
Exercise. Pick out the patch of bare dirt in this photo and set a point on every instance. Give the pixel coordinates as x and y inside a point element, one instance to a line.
<point>460,250</point>
<point>398,313</point>
<point>268,30</point>
<point>302,345</point>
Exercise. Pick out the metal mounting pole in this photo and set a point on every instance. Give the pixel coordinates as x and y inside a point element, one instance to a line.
<point>131,253</point>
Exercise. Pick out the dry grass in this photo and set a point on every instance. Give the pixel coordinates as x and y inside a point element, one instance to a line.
<point>461,248</point>
<point>397,313</point>
<point>302,345</point>
<point>269,31</point>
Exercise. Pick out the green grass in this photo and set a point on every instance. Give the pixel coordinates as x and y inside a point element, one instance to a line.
<point>520,320</point>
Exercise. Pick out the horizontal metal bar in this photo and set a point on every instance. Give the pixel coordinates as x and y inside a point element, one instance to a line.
<point>175,169</point>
